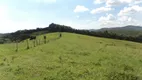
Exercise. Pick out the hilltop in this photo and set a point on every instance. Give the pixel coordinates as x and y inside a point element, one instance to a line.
<point>129,33</point>
<point>72,57</point>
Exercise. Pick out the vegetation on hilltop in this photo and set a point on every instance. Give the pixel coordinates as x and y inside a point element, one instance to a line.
<point>25,34</point>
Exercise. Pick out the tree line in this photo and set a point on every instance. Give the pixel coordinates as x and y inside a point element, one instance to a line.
<point>25,34</point>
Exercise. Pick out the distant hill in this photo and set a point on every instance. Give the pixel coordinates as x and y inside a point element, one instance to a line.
<point>1,34</point>
<point>129,30</point>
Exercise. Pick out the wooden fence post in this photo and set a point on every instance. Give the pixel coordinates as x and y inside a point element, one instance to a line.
<point>27,44</point>
<point>44,39</point>
<point>34,43</point>
<point>39,42</point>
<point>16,46</point>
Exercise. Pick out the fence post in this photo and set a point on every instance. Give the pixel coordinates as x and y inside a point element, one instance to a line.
<point>44,39</point>
<point>34,43</point>
<point>27,44</point>
<point>39,42</point>
<point>16,46</point>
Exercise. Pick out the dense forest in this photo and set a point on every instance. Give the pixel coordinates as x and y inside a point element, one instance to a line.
<point>25,34</point>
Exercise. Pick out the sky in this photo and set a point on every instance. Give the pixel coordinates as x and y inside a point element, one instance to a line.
<point>80,14</point>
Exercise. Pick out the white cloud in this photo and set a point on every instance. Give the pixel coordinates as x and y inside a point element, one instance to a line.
<point>108,21</point>
<point>115,21</point>
<point>80,8</point>
<point>125,19</point>
<point>138,2</point>
<point>131,2</point>
<point>110,3</point>
<point>130,15</point>
<point>127,1</point>
<point>108,18</point>
<point>100,10</point>
<point>99,1</point>
<point>130,10</point>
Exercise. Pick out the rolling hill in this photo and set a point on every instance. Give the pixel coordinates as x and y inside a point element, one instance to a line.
<point>72,57</point>
<point>129,30</point>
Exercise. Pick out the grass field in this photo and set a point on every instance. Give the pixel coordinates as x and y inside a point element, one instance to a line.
<point>72,57</point>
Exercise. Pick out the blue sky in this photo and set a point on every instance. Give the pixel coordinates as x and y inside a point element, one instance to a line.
<point>79,14</point>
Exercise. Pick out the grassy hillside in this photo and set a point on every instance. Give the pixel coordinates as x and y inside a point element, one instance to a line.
<point>72,57</point>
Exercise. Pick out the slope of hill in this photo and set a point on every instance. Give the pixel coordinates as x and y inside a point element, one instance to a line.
<point>127,30</point>
<point>72,57</point>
